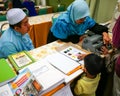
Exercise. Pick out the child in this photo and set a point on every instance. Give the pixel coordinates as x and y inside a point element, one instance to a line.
<point>88,83</point>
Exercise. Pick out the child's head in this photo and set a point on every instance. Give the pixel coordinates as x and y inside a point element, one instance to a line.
<point>93,64</point>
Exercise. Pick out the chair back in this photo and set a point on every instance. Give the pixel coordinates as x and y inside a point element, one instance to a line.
<point>3,18</point>
<point>2,29</point>
<point>42,11</point>
<point>61,8</point>
<point>26,11</point>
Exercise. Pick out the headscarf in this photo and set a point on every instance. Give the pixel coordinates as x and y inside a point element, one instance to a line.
<point>65,24</point>
<point>78,9</point>
<point>116,34</point>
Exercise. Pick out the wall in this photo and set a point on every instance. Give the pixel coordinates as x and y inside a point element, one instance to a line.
<point>101,10</point>
<point>104,10</point>
<point>54,3</point>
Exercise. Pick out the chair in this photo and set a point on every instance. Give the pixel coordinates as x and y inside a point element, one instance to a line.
<point>26,11</point>
<point>60,8</point>
<point>1,29</point>
<point>42,11</point>
<point>3,18</point>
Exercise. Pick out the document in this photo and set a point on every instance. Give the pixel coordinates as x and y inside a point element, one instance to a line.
<point>47,75</point>
<point>63,63</point>
<point>65,91</point>
<point>5,90</point>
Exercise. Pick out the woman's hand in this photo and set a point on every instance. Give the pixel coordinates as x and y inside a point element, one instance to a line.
<point>106,38</point>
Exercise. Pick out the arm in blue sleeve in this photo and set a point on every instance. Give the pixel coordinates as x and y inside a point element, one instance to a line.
<point>7,49</point>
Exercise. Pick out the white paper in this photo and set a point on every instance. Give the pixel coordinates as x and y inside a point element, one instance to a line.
<point>46,74</point>
<point>5,90</point>
<point>65,91</point>
<point>62,62</point>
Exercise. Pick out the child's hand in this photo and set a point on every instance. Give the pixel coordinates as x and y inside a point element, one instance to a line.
<point>104,50</point>
<point>81,56</point>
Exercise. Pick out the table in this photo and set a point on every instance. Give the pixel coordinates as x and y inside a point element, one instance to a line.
<point>45,50</point>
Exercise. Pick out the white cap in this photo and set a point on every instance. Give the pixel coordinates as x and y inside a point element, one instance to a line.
<point>15,15</point>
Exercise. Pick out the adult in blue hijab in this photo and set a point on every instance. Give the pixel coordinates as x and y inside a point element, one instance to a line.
<point>73,23</point>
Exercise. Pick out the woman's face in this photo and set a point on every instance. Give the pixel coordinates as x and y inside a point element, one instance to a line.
<point>80,21</point>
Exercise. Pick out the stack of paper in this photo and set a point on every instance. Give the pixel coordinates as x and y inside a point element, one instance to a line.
<point>47,75</point>
<point>63,63</point>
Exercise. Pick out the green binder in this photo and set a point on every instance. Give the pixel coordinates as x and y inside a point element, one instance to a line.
<point>7,73</point>
<point>20,60</point>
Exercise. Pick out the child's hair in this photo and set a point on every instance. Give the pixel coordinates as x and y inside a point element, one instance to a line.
<point>93,64</point>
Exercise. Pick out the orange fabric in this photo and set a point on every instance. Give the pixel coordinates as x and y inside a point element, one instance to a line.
<point>41,32</point>
<point>54,90</point>
<point>32,35</point>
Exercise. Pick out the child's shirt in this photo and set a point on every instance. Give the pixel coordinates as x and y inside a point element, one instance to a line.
<point>86,86</point>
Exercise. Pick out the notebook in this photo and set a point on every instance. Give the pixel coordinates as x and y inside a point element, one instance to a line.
<point>7,73</point>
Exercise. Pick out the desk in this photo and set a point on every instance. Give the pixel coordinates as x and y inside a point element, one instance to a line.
<point>43,51</point>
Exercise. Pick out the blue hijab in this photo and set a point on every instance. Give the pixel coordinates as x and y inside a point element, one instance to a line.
<point>65,24</point>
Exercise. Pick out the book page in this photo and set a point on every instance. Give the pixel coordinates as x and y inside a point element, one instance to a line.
<point>73,53</point>
<point>46,74</point>
<point>65,91</point>
<point>5,90</point>
<point>21,59</point>
<point>63,63</point>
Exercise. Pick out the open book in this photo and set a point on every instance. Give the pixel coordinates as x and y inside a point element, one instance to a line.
<point>72,51</point>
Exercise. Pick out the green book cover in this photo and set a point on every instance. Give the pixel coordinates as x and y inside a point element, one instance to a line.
<point>20,60</point>
<point>6,72</point>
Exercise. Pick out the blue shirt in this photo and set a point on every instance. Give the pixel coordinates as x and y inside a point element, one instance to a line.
<point>13,42</point>
<point>63,26</point>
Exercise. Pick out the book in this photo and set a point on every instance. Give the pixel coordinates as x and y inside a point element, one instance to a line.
<point>72,51</point>
<point>20,60</point>
<point>66,58</point>
<point>5,90</point>
<point>47,75</point>
<point>7,73</point>
<point>63,63</point>
<point>25,84</point>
